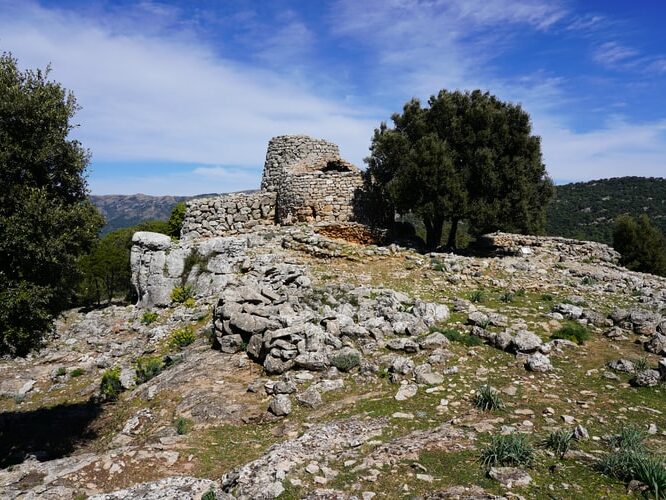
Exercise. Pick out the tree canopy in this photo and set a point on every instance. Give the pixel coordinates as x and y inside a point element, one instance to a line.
<point>46,220</point>
<point>467,156</point>
<point>642,245</point>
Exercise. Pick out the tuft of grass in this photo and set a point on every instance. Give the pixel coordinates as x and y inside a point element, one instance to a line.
<point>110,386</point>
<point>181,294</point>
<point>629,438</point>
<point>559,441</point>
<point>520,292</point>
<point>488,399</point>
<point>182,337</point>
<point>506,297</point>
<point>148,367</point>
<point>61,372</point>
<point>183,426</point>
<point>149,317</point>
<point>190,303</point>
<point>76,372</point>
<point>547,297</point>
<point>641,364</point>
<point>574,332</point>
<point>456,336</point>
<point>512,449</point>
<point>477,296</point>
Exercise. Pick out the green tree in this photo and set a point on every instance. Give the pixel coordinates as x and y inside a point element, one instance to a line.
<point>106,268</point>
<point>467,156</point>
<point>176,219</point>
<point>642,245</point>
<point>46,220</point>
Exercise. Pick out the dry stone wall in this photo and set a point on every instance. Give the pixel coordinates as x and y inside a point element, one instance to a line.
<point>229,214</point>
<point>319,196</point>
<point>295,153</point>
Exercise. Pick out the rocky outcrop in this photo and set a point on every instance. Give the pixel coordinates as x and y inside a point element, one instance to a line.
<point>159,265</point>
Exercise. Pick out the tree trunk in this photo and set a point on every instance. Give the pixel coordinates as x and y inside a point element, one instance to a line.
<point>434,228</point>
<point>451,243</point>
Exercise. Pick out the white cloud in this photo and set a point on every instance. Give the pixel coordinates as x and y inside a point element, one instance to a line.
<point>612,53</point>
<point>171,98</point>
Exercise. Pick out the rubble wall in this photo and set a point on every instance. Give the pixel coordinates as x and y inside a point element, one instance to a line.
<point>227,214</point>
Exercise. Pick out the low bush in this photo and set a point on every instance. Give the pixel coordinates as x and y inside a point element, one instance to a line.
<point>345,361</point>
<point>512,449</point>
<point>547,297</point>
<point>182,337</point>
<point>506,297</point>
<point>456,336</point>
<point>559,441</point>
<point>61,372</point>
<point>110,387</point>
<point>488,399</point>
<point>477,296</point>
<point>76,372</point>
<point>574,332</point>
<point>183,426</point>
<point>149,317</point>
<point>180,294</point>
<point>148,367</point>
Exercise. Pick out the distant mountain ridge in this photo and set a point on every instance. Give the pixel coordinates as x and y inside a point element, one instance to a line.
<point>587,210</point>
<point>581,210</point>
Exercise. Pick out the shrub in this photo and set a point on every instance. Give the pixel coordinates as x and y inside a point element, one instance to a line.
<point>506,297</point>
<point>520,292</point>
<point>183,426</point>
<point>148,367</point>
<point>110,387</point>
<point>559,441</point>
<point>190,303</point>
<point>149,317</point>
<point>175,222</point>
<point>476,296</point>
<point>512,449</point>
<point>209,495</point>
<point>574,332</point>
<point>456,336</point>
<point>182,337</point>
<point>61,372</point>
<point>547,297</point>
<point>488,399</point>
<point>76,372</point>
<point>345,361</point>
<point>181,293</point>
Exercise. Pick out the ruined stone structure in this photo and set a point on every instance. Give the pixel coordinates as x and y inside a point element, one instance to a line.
<point>304,180</point>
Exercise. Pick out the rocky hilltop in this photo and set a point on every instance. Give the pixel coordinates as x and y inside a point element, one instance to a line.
<point>289,362</point>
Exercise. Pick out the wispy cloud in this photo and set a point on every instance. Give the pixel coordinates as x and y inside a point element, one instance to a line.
<point>613,53</point>
<point>172,98</point>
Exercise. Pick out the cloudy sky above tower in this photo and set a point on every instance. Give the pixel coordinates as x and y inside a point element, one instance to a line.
<point>182,97</point>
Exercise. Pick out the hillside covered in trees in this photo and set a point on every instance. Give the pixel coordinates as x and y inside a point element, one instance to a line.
<point>587,210</point>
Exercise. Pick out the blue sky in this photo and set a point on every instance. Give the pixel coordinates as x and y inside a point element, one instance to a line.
<point>182,97</point>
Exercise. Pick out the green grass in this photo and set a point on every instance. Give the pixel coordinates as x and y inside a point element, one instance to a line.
<point>641,364</point>
<point>477,296</point>
<point>512,449</point>
<point>574,332</point>
<point>181,294</point>
<point>76,372</point>
<point>182,425</point>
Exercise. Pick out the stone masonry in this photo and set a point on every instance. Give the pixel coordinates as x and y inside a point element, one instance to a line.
<point>304,180</point>
<point>221,215</point>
